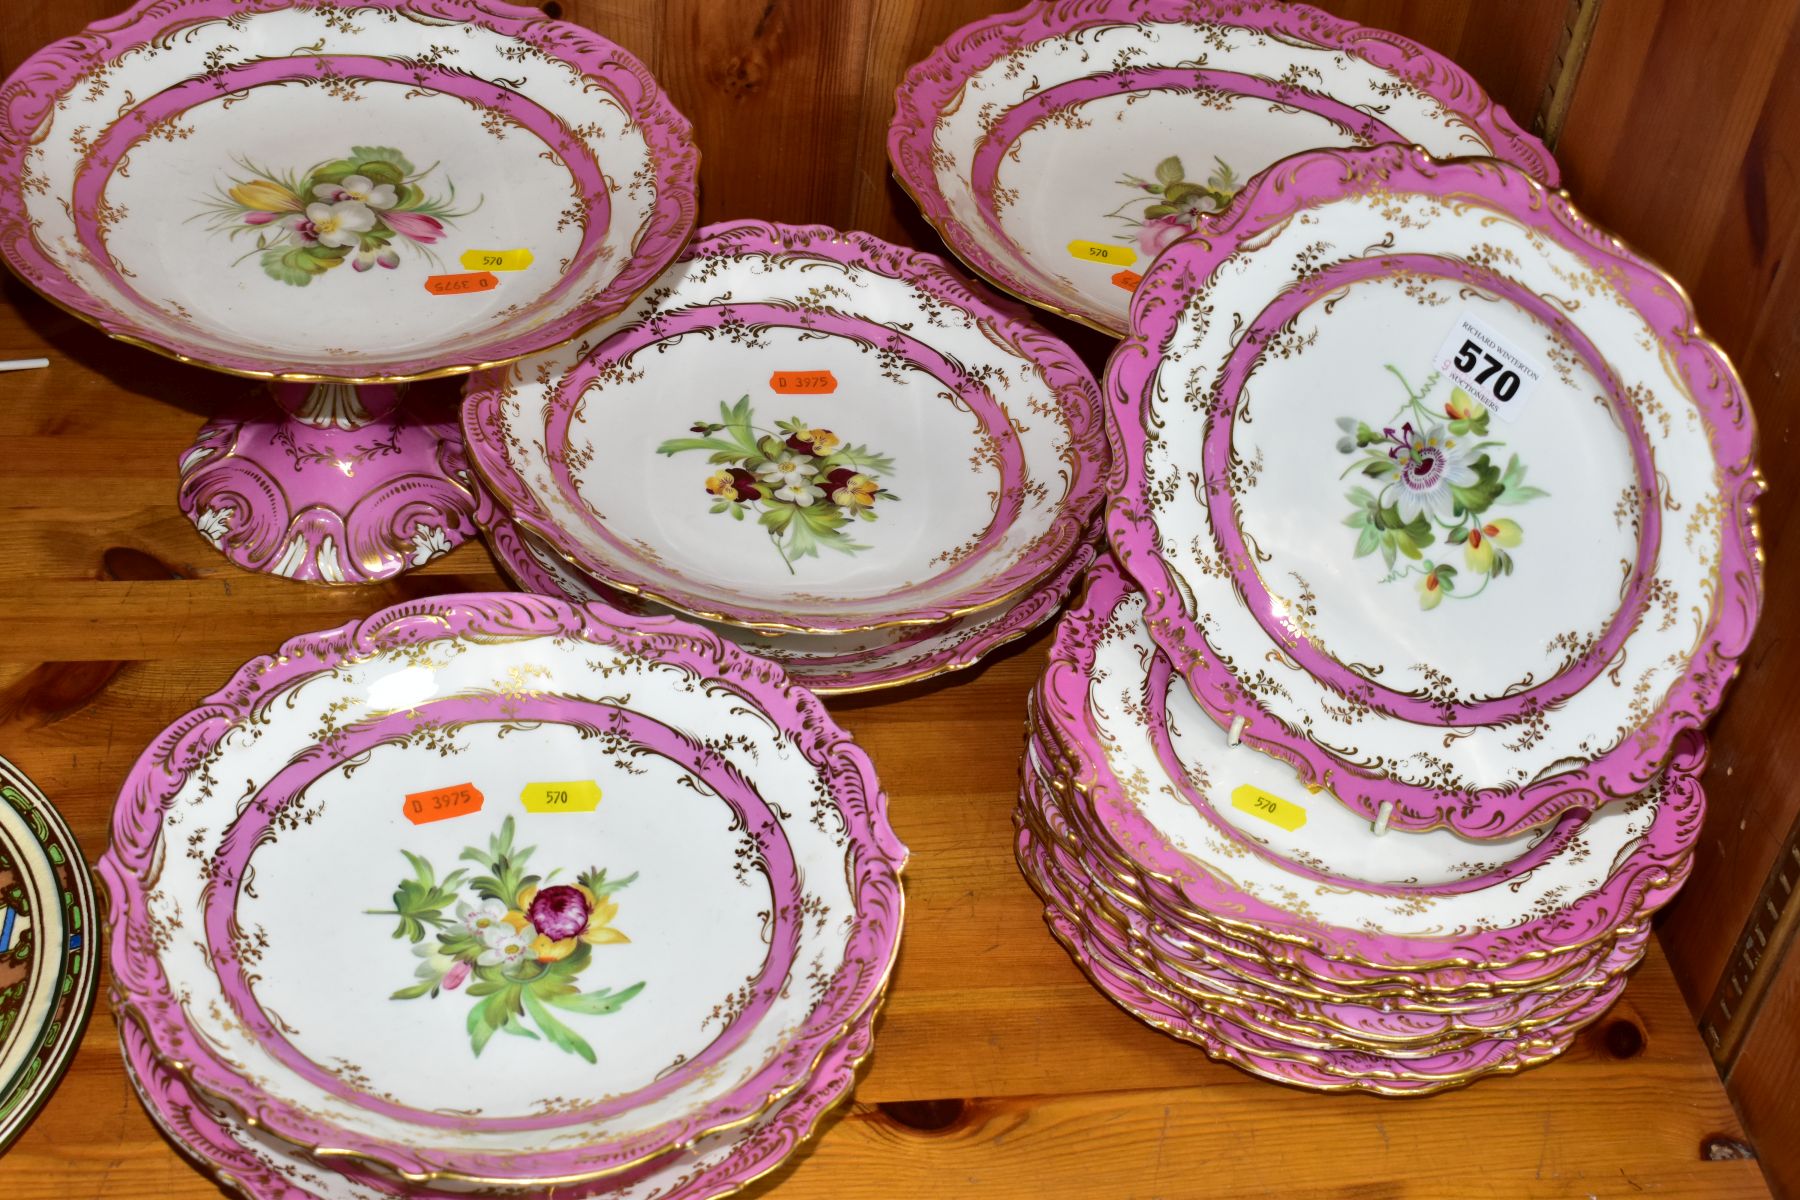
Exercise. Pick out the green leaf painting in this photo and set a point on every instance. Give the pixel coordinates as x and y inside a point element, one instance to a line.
<point>805,486</point>
<point>1170,205</point>
<point>1434,479</point>
<point>513,941</point>
<point>363,209</point>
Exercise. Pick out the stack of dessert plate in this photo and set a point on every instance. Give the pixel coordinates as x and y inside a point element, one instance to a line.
<point>496,894</point>
<point>1375,743</point>
<point>1206,892</point>
<point>1434,517</point>
<point>879,473</point>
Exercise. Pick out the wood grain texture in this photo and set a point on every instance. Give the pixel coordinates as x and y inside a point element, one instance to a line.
<point>1765,1078</point>
<point>1705,92</point>
<point>998,1071</point>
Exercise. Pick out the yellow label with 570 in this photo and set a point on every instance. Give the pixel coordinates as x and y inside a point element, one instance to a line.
<point>577,795</point>
<point>496,260</point>
<point>1247,797</point>
<point>1102,252</point>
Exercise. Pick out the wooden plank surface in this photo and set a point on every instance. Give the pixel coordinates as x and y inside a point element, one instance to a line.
<point>1676,90</point>
<point>1765,1079</point>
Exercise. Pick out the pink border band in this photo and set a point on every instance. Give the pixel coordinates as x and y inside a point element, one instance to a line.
<point>666,333</point>
<point>1215,458</point>
<point>120,140</point>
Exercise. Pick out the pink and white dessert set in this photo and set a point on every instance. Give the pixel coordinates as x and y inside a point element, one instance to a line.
<point>1412,532</point>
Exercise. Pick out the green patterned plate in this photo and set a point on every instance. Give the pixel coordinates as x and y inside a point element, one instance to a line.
<point>48,957</point>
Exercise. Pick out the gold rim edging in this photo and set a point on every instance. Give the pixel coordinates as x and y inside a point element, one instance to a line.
<point>1309,1027</point>
<point>1232,1055</point>
<point>1291,980</point>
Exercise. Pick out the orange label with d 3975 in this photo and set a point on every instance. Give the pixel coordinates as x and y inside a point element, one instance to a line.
<point>803,383</point>
<point>462,285</point>
<point>440,804</point>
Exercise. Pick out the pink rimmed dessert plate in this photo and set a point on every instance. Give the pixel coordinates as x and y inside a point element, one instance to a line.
<point>1193,936</point>
<point>1058,146</point>
<point>1436,490</point>
<point>340,198</point>
<point>1354,918</point>
<point>631,882</point>
<point>869,443</point>
<point>1223,1031</point>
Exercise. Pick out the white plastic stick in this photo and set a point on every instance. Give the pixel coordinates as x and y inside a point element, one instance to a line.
<point>1382,817</point>
<point>23,364</point>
